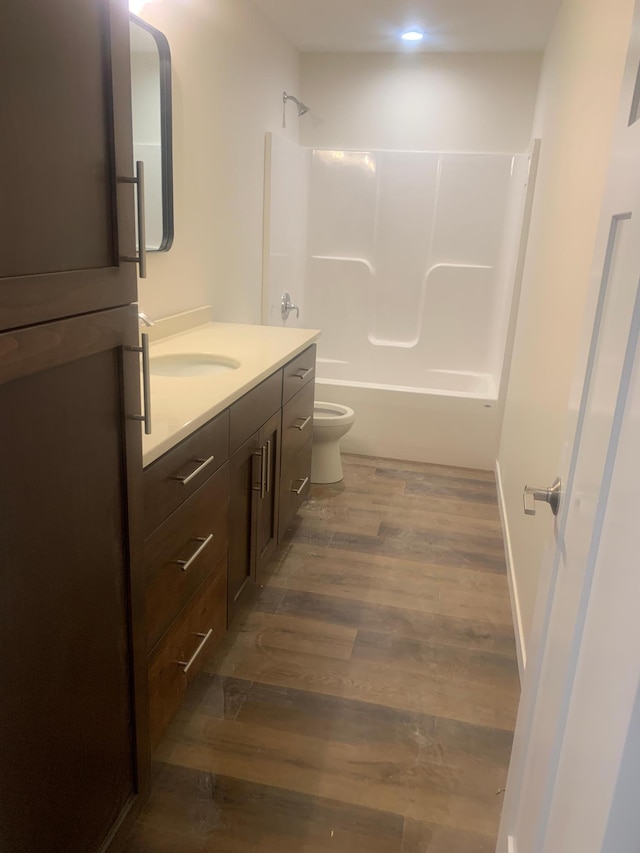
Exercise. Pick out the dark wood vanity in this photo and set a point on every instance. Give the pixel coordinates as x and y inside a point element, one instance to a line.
<point>215,507</point>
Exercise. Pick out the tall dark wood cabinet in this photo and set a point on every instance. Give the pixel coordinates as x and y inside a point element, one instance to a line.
<point>66,150</point>
<point>73,697</point>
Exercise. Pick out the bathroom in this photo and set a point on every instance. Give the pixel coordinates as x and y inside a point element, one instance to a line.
<point>231,63</point>
<point>488,95</point>
<point>365,696</point>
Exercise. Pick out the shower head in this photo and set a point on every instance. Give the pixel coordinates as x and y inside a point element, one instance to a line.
<point>302,108</point>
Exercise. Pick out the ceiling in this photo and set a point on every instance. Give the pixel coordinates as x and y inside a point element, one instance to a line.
<point>373,26</point>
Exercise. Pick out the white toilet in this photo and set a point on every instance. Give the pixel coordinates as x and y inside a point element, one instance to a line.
<point>330,423</point>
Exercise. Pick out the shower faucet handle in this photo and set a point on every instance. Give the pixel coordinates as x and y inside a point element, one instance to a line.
<point>287,306</point>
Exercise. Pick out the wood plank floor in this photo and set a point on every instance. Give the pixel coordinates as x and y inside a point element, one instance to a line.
<point>366,702</point>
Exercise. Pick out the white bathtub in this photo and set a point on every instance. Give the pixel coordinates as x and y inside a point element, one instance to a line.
<point>406,377</point>
<point>451,420</point>
<point>406,261</point>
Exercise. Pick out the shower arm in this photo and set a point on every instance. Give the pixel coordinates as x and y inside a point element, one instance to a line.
<point>293,98</point>
<point>302,108</point>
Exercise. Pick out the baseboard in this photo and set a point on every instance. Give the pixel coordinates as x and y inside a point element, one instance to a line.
<point>513,584</point>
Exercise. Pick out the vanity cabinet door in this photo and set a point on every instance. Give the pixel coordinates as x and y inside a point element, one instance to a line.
<point>266,504</point>
<point>66,218</point>
<point>73,732</point>
<point>245,485</point>
<point>253,508</point>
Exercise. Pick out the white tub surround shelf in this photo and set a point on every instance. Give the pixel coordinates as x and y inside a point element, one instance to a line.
<point>182,404</point>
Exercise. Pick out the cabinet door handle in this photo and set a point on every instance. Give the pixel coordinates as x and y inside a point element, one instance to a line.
<point>141,258</point>
<point>201,467</point>
<point>262,456</point>
<point>268,466</point>
<point>305,421</point>
<point>263,471</point>
<point>302,373</point>
<point>146,383</point>
<point>186,665</point>
<point>301,487</point>
<point>204,541</point>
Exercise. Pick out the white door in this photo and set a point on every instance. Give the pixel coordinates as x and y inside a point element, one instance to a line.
<point>568,776</point>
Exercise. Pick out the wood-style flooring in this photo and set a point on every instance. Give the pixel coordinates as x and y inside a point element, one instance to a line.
<point>366,702</point>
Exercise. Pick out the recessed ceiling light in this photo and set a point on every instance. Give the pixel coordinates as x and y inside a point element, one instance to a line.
<point>412,35</point>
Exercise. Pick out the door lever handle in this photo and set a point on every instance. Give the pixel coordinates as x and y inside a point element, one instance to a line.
<point>551,496</point>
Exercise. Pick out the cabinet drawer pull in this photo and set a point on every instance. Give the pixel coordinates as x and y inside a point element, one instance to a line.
<point>302,373</point>
<point>204,541</point>
<point>186,665</point>
<point>301,487</point>
<point>201,467</point>
<point>305,421</point>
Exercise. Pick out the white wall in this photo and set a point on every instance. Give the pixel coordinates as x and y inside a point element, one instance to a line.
<point>230,67</point>
<point>580,86</point>
<point>421,101</point>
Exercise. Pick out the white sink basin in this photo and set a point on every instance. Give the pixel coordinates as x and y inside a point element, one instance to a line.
<point>191,364</point>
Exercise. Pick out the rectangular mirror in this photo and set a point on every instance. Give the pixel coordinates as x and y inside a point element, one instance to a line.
<point>151,105</point>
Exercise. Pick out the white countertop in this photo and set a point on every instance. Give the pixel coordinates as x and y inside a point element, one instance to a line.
<point>182,404</point>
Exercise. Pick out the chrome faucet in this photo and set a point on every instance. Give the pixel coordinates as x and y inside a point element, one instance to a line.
<point>145,319</point>
<point>287,306</point>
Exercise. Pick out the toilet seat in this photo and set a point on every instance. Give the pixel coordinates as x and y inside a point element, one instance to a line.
<point>332,414</point>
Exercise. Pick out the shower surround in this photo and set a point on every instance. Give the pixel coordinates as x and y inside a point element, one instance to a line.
<point>406,261</point>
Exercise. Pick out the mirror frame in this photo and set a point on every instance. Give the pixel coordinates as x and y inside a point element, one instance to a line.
<point>166,142</point>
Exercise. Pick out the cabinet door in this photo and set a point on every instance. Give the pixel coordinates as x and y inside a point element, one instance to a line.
<point>266,526</point>
<point>244,485</point>
<point>66,217</point>
<point>73,664</point>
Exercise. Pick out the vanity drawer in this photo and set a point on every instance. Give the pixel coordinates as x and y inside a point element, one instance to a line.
<point>182,551</point>
<point>253,410</point>
<point>297,423</point>
<point>295,485</point>
<point>172,478</point>
<point>183,650</point>
<point>298,372</point>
